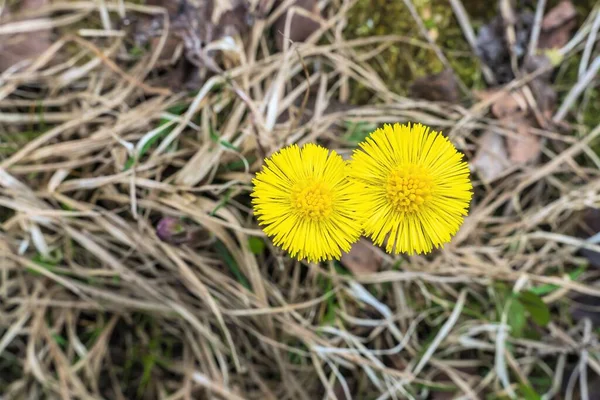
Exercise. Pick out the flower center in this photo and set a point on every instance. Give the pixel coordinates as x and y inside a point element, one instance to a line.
<point>312,200</point>
<point>408,188</point>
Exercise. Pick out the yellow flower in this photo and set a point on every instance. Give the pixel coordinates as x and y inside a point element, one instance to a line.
<point>415,189</point>
<point>304,201</point>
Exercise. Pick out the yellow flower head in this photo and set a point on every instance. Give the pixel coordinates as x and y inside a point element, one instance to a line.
<point>304,201</point>
<point>415,189</point>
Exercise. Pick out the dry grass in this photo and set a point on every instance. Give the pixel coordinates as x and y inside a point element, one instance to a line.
<point>94,305</point>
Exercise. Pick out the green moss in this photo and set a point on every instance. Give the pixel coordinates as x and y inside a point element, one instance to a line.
<point>402,63</point>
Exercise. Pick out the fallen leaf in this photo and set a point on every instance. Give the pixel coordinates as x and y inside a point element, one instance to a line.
<point>234,21</point>
<point>492,47</point>
<point>491,158</point>
<point>301,27</point>
<point>362,259</point>
<point>193,27</point>
<point>512,108</point>
<point>558,25</point>
<point>509,105</point>
<point>564,12</point>
<point>545,97</point>
<point>219,8</point>
<point>524,147</point>
<point>24,46</point>
<point>438,87</point>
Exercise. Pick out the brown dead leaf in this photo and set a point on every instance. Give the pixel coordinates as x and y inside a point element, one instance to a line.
<point>24,46</point>
<point>362,259</point>
<point>301,27</point>
<point>509,105</point>
<point>512,108</point>
<point>438,87</point>
<point>205,45</point>
<point>558,25</point>
<point>524,147</point>
<point>491,158</point>
<point>545,97</point>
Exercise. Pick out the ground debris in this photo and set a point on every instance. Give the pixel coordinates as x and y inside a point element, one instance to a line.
<point>525,109</point>
<point>301,26</point>
<point>557,26</point>
<point>362,259</point>
<point>438,87</point>
<point>207,32</point>
<point>493,49</point>
<point>491,158</point>
<point>590,226</point>
<point>23,46</point>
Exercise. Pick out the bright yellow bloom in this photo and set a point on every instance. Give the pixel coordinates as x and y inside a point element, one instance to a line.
<point>415,190</point>
<point>304,201</point>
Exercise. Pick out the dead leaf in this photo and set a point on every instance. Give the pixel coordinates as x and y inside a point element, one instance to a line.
<point>491,158</point>
<point>301,27</point>
<point>558,25</point>
<point>492,47</point>
<point>509,105</point>
<point>524,147</point>
<point>438,87</point>
<point>194,31</point>
<point>545,97</point>
<point>512,108</point>
<point>24,46</point>
<point>362,259</point>
<point>219,8</point>
<point>235,21</point>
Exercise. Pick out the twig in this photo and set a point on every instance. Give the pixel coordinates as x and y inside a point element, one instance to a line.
<point>509,17</point>
<point>583,365</point>
<point>115,68</point>
<point>441,335</point>
<point>535,30</point>
<point>467,28</point>
<point>589,45</point>
<point>576,90</point>
<point>306,94</point>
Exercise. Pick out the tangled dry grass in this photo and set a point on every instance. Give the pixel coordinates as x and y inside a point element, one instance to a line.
<point>96,149</point>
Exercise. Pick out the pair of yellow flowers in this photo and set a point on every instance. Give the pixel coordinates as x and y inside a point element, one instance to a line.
<point>404,185</point>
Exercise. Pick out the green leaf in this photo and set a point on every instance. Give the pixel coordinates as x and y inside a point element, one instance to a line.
<point>536,307</point>
<point>257,245</point>
<point>516,318</point>
<point>356,132</point>
<point>60,340</point>
<point>177,109</point>
<point>549,288</point>
<point>528,392</point>
<point>226,256</point>
<point>221,203</point>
